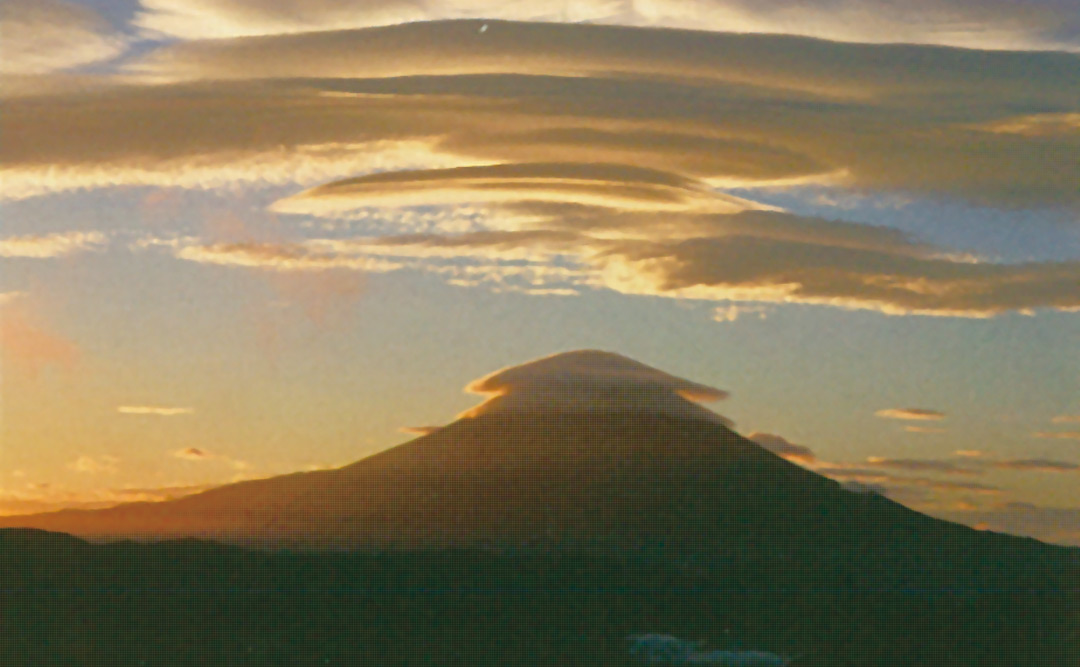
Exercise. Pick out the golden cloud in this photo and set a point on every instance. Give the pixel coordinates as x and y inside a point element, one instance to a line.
<point>155,410</point>
<point>51,245</point>
<point>910,413</point>
<point>758,107</point>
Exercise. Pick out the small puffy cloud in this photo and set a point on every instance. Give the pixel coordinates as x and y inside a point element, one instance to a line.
<point>1066,419</point>
<point>43,36</point>
<point>51,245</point>
<point>910,413</point>
<point>1037,465</point>
<point>591,380</point>
<point>782,447</point>
<point>1057,435</point>
<point>193,454</point>
<point>94,465</point>
<point>199,455</point>
<point>155,410</point>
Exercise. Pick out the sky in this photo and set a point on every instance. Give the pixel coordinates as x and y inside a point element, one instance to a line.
<point>247,237</point>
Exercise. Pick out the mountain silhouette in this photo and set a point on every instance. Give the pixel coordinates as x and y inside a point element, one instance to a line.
<point>583,448</point>
<point>588,499</point>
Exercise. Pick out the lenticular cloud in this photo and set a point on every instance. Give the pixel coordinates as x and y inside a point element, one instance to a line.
<point>592,380</point>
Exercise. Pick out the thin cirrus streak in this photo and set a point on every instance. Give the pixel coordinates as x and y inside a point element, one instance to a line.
<point>154,410</point>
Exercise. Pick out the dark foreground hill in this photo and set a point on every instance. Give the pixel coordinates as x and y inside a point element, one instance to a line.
<point>190,602</point>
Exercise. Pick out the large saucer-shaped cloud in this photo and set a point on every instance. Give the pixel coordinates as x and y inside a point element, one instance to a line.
<point>592,380</point>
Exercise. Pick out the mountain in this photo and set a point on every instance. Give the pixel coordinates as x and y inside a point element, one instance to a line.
<point>584,448</point>
<point>588,499</point>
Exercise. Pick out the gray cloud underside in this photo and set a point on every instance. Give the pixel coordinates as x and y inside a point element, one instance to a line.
<point>922,119</point>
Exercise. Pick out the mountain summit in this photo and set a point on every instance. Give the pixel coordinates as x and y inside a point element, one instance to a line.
<point>581,448</point>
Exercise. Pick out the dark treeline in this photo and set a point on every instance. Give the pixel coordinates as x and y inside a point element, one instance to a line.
<point>1009,602</point>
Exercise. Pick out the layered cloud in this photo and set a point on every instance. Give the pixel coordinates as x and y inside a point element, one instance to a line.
<point>1032,24</point>
<point>598,153</point>
<point>591,380</point>
<point>43,36</point>
<point>51,245</point>
<point>737,108</point>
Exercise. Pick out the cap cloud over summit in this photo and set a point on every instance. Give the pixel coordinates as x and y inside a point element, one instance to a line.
<point>592,380</point>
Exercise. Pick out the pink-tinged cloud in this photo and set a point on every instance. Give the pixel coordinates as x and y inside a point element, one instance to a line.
<point>916,414</point>
<point>782,447</point>
<point>1066,419</point>
<point>32,347</point>
<point>971,453</point>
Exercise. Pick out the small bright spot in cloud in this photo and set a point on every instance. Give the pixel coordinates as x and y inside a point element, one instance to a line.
<point>160,411</point>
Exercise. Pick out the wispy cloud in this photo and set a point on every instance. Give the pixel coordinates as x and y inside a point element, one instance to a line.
<point>156,410</point>
<point>921,465</point>
<point>1057,435</point>
<point>95,465</point>
<point>48,35</point>
<point>1066,419</point>
<point>910,414</point>
<point>1037,465</point>
<point>51,245</point>
<point>924,429</point>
